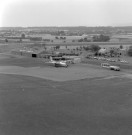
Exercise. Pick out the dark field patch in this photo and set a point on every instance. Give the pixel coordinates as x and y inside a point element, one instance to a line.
<point>32,106</point>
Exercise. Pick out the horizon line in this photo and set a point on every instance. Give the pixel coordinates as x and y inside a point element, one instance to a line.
<point>66,26</point>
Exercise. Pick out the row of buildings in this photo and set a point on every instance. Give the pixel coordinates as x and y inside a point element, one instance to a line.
<point>76,56</point>
<point>38,52</point>
<point>113,51</point>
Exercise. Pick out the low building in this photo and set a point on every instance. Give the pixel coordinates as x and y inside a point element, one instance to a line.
<point>102,51</point>
<point>65,52</point>
<point>74,59</point>
<point>32,52</point>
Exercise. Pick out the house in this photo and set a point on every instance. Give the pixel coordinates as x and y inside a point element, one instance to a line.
<point>102,51</point>
<point>123,52</point>
<point>112,51</point>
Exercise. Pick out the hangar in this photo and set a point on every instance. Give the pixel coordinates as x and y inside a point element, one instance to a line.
<point>32,52</point>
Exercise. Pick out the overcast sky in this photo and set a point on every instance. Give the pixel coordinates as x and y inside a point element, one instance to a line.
<point>65,12</point>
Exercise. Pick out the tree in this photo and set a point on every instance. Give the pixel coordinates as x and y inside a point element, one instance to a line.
<point>130,51</point>
<point>96,53</point>
<point>94,48</point>
<point>86,48</point>
<point>101,38</point>
<point>121,46</point>
<point>80,40</point>
<point>45,47</point>
<point>114,52</point>
<point>77,48</point>
<point>6,40</point>
<point>73,40</point>
<point>95,38</point>
<point>111,52</point>
<point>23,35</point>
<point>57,47</point>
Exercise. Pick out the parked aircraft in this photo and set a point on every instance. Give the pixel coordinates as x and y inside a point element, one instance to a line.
<point>57,63</point>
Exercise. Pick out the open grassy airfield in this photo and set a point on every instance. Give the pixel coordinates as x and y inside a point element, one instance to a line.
<point>83,99</point>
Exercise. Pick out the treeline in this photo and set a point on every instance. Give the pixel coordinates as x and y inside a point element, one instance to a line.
<point>101,38</point>
<point>62,31</point>
<point>93,48</point>
<point>96,38</point>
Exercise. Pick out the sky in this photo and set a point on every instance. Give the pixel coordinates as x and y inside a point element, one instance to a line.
<point>28,13</point>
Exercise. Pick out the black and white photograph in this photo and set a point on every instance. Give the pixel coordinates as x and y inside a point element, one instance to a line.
<point>65,67</point>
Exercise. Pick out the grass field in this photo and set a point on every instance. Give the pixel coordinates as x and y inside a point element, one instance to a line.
<point>33,106</point>
<point>96,105</point>
<point>38,68</point>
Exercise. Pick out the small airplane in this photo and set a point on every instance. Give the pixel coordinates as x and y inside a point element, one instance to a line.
<point>57,63</point>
